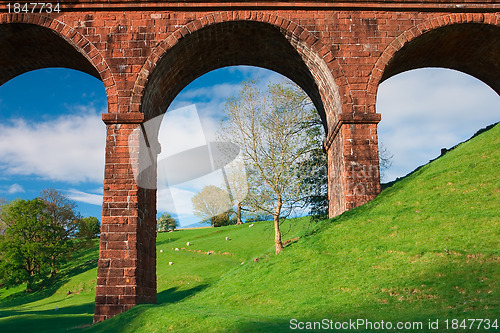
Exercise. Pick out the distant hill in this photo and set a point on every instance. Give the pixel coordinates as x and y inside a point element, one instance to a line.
<point>195,225</point>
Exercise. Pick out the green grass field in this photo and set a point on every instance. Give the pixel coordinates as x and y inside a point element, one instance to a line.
<point>426,249</point>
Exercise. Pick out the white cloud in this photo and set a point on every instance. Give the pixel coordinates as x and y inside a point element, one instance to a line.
<point>213,92</point>
<point>429,109</point>
<point>16,188</point>
<point>180,130</point>
<point>69,148</point>
<point>76,195</point>
<point>181,205</point>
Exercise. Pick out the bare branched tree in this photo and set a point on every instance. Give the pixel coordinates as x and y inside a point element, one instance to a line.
<point>269,129</point>
<point>385,159</point>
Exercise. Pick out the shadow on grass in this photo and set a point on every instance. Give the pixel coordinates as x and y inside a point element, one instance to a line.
<point>174,295</point>
<point>167,240</point>
<point>121,321</point>
<point>67,318</point>
<point>87,308</point>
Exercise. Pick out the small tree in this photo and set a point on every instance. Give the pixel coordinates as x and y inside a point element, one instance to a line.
<point>222,219</point>
<point>210,203</point>
<point>30,244</point>
<point>166,222</point>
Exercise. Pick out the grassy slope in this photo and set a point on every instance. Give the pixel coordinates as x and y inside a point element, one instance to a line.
<point>427,248</point>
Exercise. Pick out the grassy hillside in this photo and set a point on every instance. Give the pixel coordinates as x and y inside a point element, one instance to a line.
<point>36,312</point>
<point>428,248</point>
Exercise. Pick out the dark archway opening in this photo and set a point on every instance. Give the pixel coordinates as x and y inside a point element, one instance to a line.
<point>471,48</point>
<point>26,47</point>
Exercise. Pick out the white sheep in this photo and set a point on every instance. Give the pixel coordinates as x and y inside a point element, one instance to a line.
<point>176,249</point>
<point>188,243</point>
<point>251,225</point>
<point>170,263</point>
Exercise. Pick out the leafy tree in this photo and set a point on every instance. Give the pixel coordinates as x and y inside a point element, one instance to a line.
<point>314,171</point>
<point>62,212</point>
<point>30,244</point>
<point>88,228</point>
<point>210,203</point>
<point>166,222</point>
<point>269,128</point>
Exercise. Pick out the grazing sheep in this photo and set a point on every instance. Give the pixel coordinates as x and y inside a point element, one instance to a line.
<point>170,263</point>
<point>176,249</point>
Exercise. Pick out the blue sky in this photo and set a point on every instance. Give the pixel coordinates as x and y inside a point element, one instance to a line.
<point>52,135</point>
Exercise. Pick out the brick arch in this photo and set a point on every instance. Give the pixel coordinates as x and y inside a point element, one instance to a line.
<point>450,41</point>
<point>41,42</point>
<point>321,75</point>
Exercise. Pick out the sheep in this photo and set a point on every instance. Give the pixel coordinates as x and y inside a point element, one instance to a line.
<point>251,225</point>
<point>187,244</point>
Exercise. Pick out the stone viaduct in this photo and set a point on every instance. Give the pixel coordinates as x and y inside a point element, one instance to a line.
<point>146,52</point>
